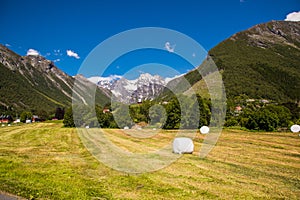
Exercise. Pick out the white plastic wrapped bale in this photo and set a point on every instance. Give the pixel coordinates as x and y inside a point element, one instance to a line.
<point>183,145</point>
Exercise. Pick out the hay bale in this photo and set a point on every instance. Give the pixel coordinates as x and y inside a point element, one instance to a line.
<point>183,145</point>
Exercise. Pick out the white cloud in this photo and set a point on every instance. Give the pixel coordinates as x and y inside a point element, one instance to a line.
<point>32,52</point>
<point>170,48</point>
<point>56,60</point>
<point>294,16</point>
<point>72,54</point>
<point>194,55</point>
<point>7,45</point>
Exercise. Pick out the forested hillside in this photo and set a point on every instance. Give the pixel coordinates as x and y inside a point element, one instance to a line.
<point>262,62</point>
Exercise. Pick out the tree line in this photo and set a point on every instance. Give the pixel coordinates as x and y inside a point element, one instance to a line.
<point>261,116</point>
<point>179,112</point>
<point>42,115</point>
<point>187,113</point>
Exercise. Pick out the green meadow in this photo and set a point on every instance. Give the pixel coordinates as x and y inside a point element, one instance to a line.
<point>46,161</point>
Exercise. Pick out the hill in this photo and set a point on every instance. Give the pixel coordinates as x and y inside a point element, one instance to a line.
<point>34,83</point>
<point>262,62</point>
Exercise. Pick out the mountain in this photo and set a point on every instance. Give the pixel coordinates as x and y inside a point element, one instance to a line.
<point>34,83</point>
<point>105,82</point>
<point>145,87</point>
<point>262,62</point>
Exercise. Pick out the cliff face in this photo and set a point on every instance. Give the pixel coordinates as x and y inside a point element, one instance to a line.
<point>271,33</point>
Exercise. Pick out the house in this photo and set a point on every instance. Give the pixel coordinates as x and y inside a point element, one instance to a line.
<point>238,108</point>
<point>250,100</point>
<point>5,119</point>
<point>35,118</point>
<point>106,110</point>
<point>264,101</point>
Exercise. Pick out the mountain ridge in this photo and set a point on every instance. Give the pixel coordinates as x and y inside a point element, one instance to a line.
<point>261,62</point>
<point>33,83</point>
<point>145,87</point>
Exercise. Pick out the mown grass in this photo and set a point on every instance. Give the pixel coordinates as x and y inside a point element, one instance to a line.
<point>45,161</point>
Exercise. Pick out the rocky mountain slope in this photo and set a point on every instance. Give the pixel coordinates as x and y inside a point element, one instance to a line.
<point>34,83</point>
<point>145,87</point>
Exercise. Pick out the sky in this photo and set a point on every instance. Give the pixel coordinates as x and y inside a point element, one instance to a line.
<point>66,32</point>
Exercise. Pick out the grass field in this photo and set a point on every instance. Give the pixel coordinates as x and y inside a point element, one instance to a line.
<point>45,161</point>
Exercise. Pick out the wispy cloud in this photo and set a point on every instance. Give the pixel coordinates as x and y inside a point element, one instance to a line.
<point>56,60</point>
<point>7,45</point>
<point>32,52</point>
<point>242,1</point>
<point>294,16</point>
<point>170,48</point>
<point>57,52</point>
<point>194,55</point>
<point>72,54</point>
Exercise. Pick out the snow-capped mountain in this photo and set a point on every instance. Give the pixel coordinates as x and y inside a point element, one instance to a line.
<point>105,82</point>
<point>145,87</point>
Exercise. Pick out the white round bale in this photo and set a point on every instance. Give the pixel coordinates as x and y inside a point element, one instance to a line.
<point>183,145</point>
<point>204,129</point>
<point>295,128</point>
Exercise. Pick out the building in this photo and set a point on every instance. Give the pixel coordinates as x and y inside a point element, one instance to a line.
<point>238,109</point>
<point>35,118</point>
<point>106,110</point>
<point>5,119</point>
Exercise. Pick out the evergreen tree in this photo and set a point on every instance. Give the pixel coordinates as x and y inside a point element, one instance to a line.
<point>173,115</point>
<point>59,113</point>
<point>68,118</point>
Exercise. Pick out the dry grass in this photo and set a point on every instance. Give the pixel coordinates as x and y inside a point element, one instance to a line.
<point>49,162</point>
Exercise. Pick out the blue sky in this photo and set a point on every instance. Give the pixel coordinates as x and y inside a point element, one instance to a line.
<point>53,27</point>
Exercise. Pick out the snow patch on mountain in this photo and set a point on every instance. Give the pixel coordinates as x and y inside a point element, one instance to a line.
<point>145,87</point>
<point>105,82</point>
